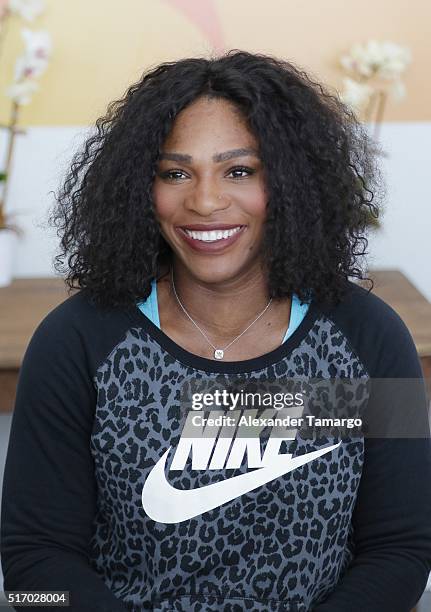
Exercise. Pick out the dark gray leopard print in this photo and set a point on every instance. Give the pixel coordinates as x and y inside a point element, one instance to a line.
<point>283,546</point>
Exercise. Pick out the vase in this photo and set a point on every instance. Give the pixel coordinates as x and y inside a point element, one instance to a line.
<point>7,249</point>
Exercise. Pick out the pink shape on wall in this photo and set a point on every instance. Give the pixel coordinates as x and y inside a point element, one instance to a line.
<point>203,14</point>
<point>3,7</point>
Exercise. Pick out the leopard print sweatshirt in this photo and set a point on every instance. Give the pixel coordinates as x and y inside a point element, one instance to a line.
<point>120,491</point>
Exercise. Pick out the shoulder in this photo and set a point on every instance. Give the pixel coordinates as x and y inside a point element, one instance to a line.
<point>77,329</point>
<point>75,317</point>
<point>361,307</point>
<point>375,331</point>
<point>76,309</point>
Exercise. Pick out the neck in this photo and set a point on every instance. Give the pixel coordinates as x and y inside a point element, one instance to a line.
<point>223,308</point>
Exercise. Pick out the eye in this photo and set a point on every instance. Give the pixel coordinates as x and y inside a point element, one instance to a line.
<point>249,171</point>
<point>168,174</point>
<point>172,175</point>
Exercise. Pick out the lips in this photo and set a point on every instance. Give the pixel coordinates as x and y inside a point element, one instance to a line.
<point>215,246</point>
<point>200,227</point>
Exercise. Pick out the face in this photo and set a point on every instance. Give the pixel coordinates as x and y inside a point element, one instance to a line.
<point>209,192</point>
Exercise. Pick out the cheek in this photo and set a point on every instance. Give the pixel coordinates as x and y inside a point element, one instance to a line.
<point>255,200</point>
<point>164,203</point>
<point>256,205</point>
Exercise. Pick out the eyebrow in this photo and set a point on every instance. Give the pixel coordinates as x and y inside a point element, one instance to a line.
<point>218,157</point>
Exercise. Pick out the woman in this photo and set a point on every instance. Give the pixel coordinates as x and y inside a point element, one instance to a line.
<point>212,224</point>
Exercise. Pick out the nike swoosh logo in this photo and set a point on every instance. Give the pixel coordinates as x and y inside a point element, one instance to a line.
<point>165,504</point>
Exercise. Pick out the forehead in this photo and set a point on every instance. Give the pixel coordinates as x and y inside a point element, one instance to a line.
<point>210,120</point>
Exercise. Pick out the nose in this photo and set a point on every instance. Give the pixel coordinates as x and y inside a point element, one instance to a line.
<point>206,201</point>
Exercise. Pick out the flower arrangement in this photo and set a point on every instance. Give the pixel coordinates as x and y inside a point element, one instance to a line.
<point>375,70</point>
<point>29,66</point>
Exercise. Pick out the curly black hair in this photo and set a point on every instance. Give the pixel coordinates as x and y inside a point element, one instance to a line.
<point>319,163</point>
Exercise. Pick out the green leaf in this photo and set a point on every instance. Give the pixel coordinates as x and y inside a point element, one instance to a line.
<point>3,176</point>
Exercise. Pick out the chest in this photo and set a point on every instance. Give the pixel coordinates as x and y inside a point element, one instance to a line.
<point>178,503</point>
<point>262,337</point>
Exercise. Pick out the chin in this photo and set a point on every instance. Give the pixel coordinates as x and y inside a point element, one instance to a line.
<point>215,272</point>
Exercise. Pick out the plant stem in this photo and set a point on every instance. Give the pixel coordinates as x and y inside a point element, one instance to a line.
<point>11,129</point>
<point>3,31</point>
<point>370,107</point>
<point>380,112</point>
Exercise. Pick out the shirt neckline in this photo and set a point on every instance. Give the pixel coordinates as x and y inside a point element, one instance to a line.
<point>227,367</point>
<point>150,307</point>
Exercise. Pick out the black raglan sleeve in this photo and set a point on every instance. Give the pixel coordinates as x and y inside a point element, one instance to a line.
<point>49,488</point>
<point>392,514</point>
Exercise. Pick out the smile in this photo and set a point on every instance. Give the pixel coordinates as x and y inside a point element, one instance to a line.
<point>213,240</point>
<point>213,235</point>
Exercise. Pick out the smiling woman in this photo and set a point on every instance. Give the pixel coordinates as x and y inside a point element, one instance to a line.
<point>213,224</point>
<point>211,212</point>
<point>308,172</point>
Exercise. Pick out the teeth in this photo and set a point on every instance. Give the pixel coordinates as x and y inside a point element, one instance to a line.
<point>213,235</point>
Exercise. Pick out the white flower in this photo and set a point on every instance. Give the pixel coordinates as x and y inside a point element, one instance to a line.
<point>27,9</point>
<point>21,93</point>
<point>349,63</point>
<point>385,59</point>
<point>396,60</point>
<point>355,94</point>
<point>359,61</point>
<point>37,42</point>
<point>35,58</point>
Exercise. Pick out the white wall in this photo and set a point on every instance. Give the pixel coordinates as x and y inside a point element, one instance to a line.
<point>42,154</point>
<point>404,242</point>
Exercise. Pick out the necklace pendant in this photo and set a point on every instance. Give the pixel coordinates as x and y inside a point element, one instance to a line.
<point>218,354</point>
